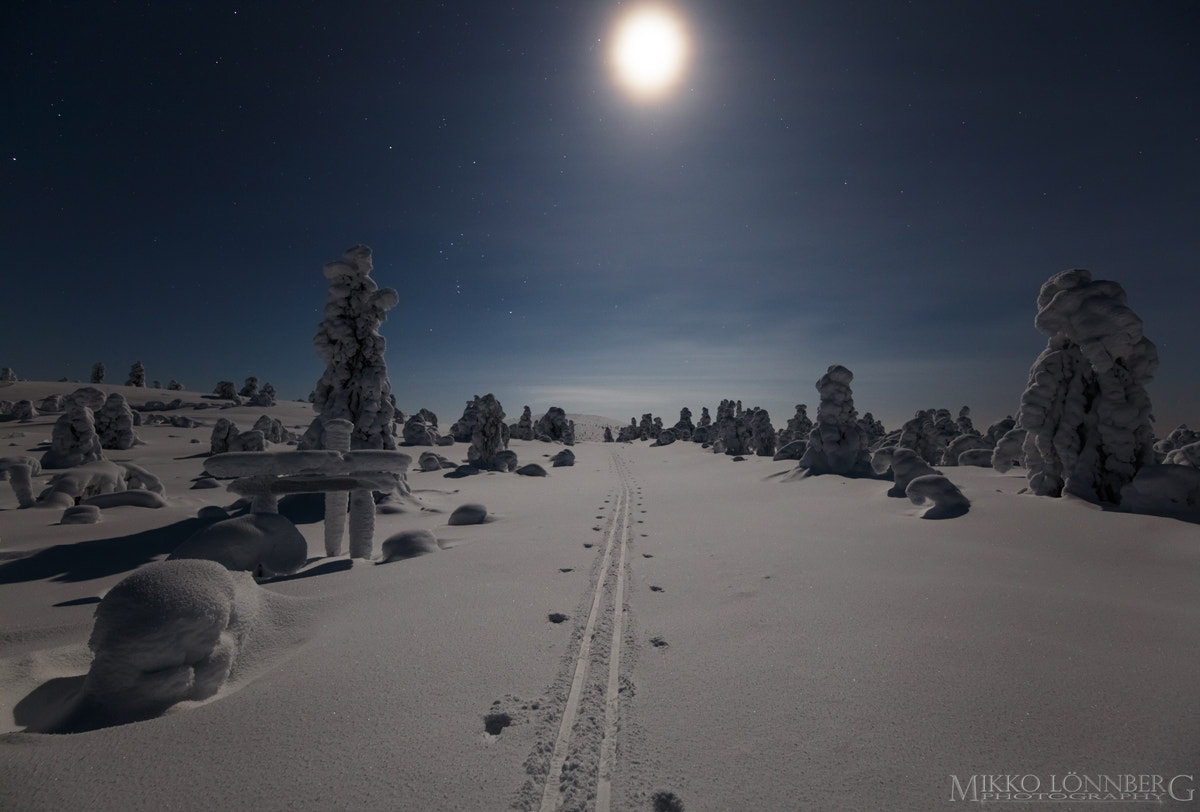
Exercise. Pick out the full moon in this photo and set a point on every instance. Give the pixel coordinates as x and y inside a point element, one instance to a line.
<point>649,51</point>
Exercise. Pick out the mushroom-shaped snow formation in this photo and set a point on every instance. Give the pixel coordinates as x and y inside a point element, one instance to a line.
<point>355,385</point>
<point>837,444</point>
<point>263,544</point>
<point>169,632</point>
<point>948,500</point>
<point>1085,409</point>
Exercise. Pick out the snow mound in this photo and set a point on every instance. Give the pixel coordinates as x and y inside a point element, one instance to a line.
<point>948,500</point>
<point>265,544</point>
<point>169,632</point>
<point>408,544</point>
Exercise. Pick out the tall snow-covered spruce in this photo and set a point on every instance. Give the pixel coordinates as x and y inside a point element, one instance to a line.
<point>1085,413</point>
<point>355,385</point>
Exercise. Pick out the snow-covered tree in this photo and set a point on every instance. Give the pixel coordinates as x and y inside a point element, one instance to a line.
<point>98,372</point>
<point>1085,411</point>
<point>837,443</point>
<point>355,385</point>
<point>137,375</point>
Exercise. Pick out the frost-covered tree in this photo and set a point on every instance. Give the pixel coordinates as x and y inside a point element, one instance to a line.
<point>524,428</point>
<point>73,440</point>
<point>98,372</point>
<point>114,424</point>
<point>1085,411</point>
<point>837,444</point>
<point>174,386</point>
<point>488,435</point>
<point>249,387</point>
<point>684,427</point>
<point>608,435</point>
<point>7,375</point>
<point>355,385</point>
<point>552,426</point>
<point>762,433</point>
<point>225,390</point>
<point>137,375</point>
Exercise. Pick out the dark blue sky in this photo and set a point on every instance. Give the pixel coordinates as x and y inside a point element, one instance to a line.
<point>882,185</point>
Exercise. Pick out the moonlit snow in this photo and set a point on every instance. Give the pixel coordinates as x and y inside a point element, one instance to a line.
<point>541,615</point>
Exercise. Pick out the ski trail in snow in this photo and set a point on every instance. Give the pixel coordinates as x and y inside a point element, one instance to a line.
<point>609,582</point>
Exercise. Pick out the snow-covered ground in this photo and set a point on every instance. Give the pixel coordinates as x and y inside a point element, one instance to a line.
<point>656,627</point>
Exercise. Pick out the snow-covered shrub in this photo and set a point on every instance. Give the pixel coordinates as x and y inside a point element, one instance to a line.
<point>224,437</point>
<point>23,411</point>
<point>1162,489</point>
<point>523,430</point>
<point>263,544</point>
<point>53,404</point>
<point>665,437</point>
<point>73,440</point>
<point>249,388</point>
<point>421,429</point>
<point>168,632</point>
<point>563,459</point>
<point>608,435</point>
<point>552,426</point>
<point>798,427</point>
<point>174,386</point>
<point>1188,455</point>
<point>355,384</point>
<point>1180,436</point>
<point>684,427</point>
<point>82,482</point>
<point>837,443</point>
<point>7,375</point>
<point>1085,409</point>
<point>226,391</point>
<point>114,424</point>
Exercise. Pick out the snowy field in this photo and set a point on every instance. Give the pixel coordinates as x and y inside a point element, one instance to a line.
<point>655,627</point>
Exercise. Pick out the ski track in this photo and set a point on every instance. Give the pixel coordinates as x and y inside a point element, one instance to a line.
<point>584,756</point>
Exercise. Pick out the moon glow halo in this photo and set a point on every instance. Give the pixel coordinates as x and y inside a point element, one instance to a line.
<point>649,52</point>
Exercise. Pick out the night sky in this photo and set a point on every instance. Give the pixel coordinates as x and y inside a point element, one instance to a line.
<point>882,185</point>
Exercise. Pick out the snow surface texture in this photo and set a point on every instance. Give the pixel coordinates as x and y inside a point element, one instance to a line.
<point>1085,410</point>
<point>263,544</point>
<point>837,444</point>
<point>169,632</point>
<point>355,385</point>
